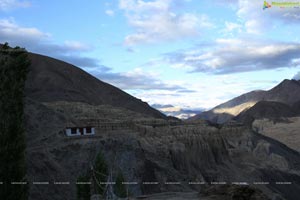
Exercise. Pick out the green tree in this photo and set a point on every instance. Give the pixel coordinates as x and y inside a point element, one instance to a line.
<point>119,187</point>
<point>83,190</point>
<point>14,66</point>
<point>101,173</point>
<point>5,46</point>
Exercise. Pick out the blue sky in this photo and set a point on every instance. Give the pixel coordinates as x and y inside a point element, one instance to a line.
<point>189,53</point>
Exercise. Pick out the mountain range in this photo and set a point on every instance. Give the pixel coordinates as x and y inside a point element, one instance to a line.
<point>287,92</point>
<point>268,109</point>
<point>176,111</point>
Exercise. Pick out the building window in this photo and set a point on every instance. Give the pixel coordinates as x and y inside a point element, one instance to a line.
<point>73,131</point>
<point>81,131</point>
<point>88,130</point>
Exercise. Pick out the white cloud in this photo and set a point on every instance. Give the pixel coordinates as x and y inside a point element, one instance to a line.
<point>257,20</point>
<point>137,79</point>
<point>157,20</point>
<point>207,92</point>
<point>77,46</point>
<point>292,15</point>
<point>6,5</point>
<point>252,14</point>
<point>10,30</point>
<point>236,55</point>
<point>253,27</point>
<point>139,6</point>
<point>297,76</point>
<point>230,26</point>
<point>38,41</point>
<point>110,12</point>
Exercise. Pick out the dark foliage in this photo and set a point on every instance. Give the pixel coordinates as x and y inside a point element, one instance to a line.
<point>101,172</point>
<point>14,65</point>
<point>120,189</point>
<point>83,190</point>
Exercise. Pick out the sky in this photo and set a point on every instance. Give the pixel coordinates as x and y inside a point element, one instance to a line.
<point>192,54</point>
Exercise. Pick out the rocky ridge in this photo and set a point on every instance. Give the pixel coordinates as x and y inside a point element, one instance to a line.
<point>287,92</point>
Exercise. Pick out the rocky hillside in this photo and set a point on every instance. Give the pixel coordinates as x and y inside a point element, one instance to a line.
<point>276,120</point>
<point>285,130</point>
<point>183,153</point>
<point>52,80</point>
<point>287,92</point>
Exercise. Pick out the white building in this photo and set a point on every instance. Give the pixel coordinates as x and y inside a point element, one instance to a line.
<point>77,131</point>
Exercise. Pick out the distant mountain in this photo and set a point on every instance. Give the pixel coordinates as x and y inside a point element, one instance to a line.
<point>287,92</point>
<point>177,112</point>
<point>159,106</point>
<point>52,80</point>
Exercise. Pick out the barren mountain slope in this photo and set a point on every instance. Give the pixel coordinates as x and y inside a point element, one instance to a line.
<point>266,109</point>
<point>285,130</point>
<point>54,80</point>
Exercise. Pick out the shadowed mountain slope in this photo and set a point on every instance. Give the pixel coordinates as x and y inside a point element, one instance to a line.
<point>52,80</point>
<point>296,107</point>
<point>265,109</point>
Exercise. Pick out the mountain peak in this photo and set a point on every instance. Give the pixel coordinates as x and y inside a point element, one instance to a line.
<point>287,86</point>
<point>287,82</point>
